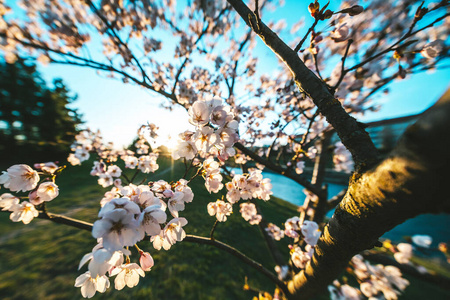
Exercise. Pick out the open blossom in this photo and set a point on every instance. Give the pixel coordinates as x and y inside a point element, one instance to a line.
<point>118,225</point>
<point>213,181</point>
<point>89,285</point>
<point>274,231</point>
<point>301,258</point>
<point>114,171</point>
<point>311,233</point>
<point>47,191</point>
<point>292,227</point>
<point>24,212</point>
<point>150,219</point>
<point>186,149</point>
<point>147,163</point>
<point>102,260</point>
<point>220,209</point>
<point>8,201</point>
<point>127,275</point>
<point>249,213</point>
<point>159,241</point>
<point>105,180</point>
<point>173,232</point>
<point>131,162</point>
<point>49,167</point>
<point>175,203</point>
<point>182,186</point>
<point>404,253</point>
<point>19,178</point>
<point>199,113</point>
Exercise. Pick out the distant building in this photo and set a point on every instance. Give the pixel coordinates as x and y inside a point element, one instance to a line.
<point>386,133</point>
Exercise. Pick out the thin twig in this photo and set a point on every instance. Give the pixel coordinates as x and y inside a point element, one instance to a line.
<point>211,235</point>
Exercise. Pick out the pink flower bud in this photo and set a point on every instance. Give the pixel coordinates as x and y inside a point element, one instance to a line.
<point>168,194</point>
<point>34,198</point>
<point>146,261</point>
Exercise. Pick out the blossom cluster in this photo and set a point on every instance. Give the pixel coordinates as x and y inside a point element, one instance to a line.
<point>215,131</point>
<point>23,178</point>
<point>108,174</point>
<point>128,215</point>
<point>249,186</point>
<point>378,280</point>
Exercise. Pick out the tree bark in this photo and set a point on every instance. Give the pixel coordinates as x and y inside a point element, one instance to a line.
<point>412,180</point>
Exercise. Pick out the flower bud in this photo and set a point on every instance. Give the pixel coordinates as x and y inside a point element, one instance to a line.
<point>355,10</point>
<point>327,14</point>
<point>314,8</point>
<point>420,13</point>
<point>168,194</point>
<point>146,261</point>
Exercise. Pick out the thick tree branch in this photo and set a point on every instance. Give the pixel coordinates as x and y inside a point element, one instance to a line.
<point>352,135</point>
<point>412,180</point>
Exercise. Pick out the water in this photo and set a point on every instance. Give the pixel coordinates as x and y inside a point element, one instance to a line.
<point>436,226</point>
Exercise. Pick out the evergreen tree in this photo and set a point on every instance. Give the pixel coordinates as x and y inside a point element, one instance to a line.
<point>34,118</point>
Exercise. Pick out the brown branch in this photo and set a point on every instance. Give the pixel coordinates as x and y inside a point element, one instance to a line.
<point>393,46</point>
<point>119,41</point>
<point>412,180</point>
<point>239,255</point>
<point>351,134</point>
<point>277,168</point>
<point>60,219</point>
<point>336,199</point>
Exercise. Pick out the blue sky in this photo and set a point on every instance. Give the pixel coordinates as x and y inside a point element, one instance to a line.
<point>118,109</point>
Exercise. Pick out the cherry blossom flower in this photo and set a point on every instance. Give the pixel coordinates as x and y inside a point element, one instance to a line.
<point>250,214</point>
<point>127,275</point>
<point>173,231</point>
<point>19,178</point>
<point>118,225</point>
<point>301,258</point>
<point>150,219</point>
<point>89,285</point>
<point>199,113</point>
<point>47,191</point>
<point>311,233</point>
<point>8,201</point>
<point>146,261</point>
<point>24,212</point>
<point>274,231</point>
<point>220,209</point>
<point>159,241</point>
<point>102,260</point>
<point>114,171</point>
<point>49,167</point>
<point>404,254</point>
<point>292,227</point>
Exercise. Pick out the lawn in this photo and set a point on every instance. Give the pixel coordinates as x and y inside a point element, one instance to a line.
<point>40,260</point>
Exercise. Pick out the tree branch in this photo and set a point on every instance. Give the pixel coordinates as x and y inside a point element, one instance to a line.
<point>276,168</point>
<point>412,180</point>
<point>351,134</point>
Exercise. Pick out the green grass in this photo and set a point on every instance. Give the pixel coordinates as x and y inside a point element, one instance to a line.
<point>40,260</point>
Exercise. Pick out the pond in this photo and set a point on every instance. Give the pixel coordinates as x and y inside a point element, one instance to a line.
<point>436,226</point>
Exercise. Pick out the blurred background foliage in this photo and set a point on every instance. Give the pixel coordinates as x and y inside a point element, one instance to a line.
<point>34,117</point>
